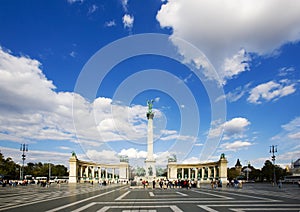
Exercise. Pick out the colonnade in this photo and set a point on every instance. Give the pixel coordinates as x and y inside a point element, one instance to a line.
<point>82,171</point>
<point>203,172</point>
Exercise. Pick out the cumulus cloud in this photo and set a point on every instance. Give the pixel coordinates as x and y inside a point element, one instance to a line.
<point>235,146</point>
<point>236,125</point>
<point>133,153</point>
<point>271,91</point>
<point>128,21</point>
<point>32,111</point>
<point>222,29</point>
<point>106,156</point>
<point>232,128</point>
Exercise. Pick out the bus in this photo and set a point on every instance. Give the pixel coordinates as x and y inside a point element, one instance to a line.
<point>292,179</point>
<point>41,180</point>
<point>59,179</point>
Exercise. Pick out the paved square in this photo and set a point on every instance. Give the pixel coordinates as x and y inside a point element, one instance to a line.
<point>86,197</point>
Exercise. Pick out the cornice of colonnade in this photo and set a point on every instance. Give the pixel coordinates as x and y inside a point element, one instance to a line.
<point>194,165</point>
<point>88,163</point>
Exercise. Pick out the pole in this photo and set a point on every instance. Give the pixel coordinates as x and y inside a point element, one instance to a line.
<point>273,150</point>
<point>49,170</point>
<point>23,149</point>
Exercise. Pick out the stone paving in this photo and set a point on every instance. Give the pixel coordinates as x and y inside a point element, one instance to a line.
<point>87,197</point>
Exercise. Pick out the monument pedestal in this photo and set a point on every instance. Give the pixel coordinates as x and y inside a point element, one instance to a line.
<point>150,169</point>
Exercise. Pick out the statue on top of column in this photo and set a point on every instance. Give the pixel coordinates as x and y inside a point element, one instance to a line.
<point>150,105</point>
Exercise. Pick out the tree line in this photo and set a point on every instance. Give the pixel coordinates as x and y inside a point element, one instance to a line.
<point>9,169</point>
<point>264,174</point>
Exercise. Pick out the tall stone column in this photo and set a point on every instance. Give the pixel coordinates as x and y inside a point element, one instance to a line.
<point>150,161</point>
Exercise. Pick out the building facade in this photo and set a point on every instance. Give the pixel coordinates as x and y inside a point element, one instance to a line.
<point>82,171</point>
<point>201,172</point>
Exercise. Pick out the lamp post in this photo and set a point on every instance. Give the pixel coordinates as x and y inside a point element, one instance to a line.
<point>273,150</point>
<point>23,149</point>
<point>49,170</point>
<point>248,170</point>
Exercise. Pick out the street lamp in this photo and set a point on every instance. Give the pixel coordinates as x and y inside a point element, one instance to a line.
<point>23,149</point>
<point>248,170</point>
<point>273,150</point>
<point>49,170</point>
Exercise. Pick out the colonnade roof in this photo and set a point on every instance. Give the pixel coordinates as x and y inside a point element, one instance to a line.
<point>194,165</point>
<point>87,163</point>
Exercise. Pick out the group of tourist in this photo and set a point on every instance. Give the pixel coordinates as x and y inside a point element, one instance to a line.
<point>165,184</point>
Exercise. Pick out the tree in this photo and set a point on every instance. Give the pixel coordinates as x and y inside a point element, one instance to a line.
<point>254,174</point>
<point>11,170</point>
<point>232,173</point>
<point>59,170</point>
<point>268,171</point>
<point>8,167</point>
<point>161,172</point>
<point>140,171</point>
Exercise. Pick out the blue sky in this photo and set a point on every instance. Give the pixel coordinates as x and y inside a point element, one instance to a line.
<point>75,75</point>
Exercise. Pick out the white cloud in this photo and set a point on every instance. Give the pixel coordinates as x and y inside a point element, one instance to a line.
<point>92,9</point>
<point>110,23</point>
<point>167,135</point>
<point>232,128</point>
<point>74,1</point>
<point>235,94</point>
<point>125,5</point>
<point>222,29</point>
<point>292,125</point>
<point>293,129</point>
<point>235,65</point>
<point>288,138</point>
<point>32,111</point>
<point>237,145</point>
<point>295,136</point>
<point>38,156</point>
<point>192,160</point>
<point>133,153</point>
<point>128,21</point>
<point>286,71</point>
<point>104,156</point>
<point>236,126</point>
<point>73,54</point>
<point>270,91</point>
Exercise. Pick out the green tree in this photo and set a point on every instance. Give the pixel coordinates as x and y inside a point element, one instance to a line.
<point>268,171</point>
<point>58,170</point>
<point>254,174</point>
<point>161,172</point>
<point>8,167</point>
<point>140,171</point>
<point>232,173</point>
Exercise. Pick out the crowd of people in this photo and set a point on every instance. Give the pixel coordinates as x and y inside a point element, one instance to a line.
<point>164,184</point>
